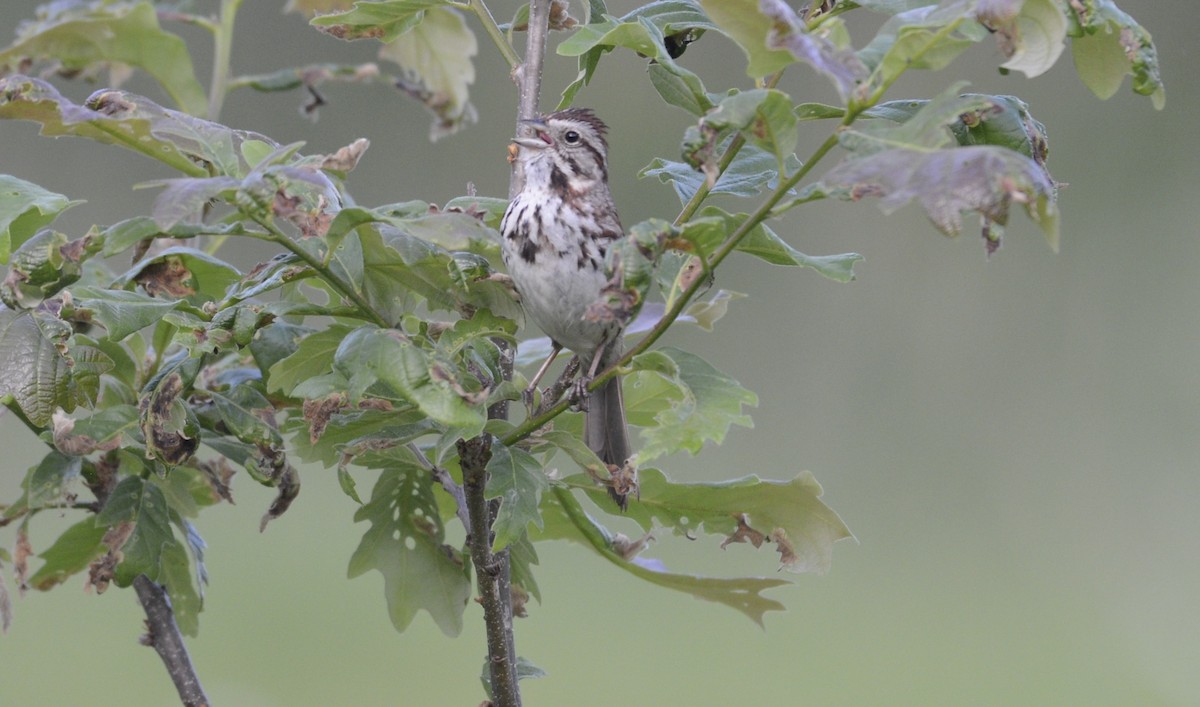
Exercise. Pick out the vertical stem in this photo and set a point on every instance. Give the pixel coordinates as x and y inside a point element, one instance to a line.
<point>529,77</point>
<point>493,30</point>
<point>222,50</point>
<point>162,634</point>
<point>491,573</point>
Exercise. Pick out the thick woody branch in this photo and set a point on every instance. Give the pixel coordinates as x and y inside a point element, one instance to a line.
<point>491,573</point>
<point>162,634</point>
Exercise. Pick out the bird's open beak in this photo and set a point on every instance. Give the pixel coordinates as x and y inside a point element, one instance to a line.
<point>540,140</point>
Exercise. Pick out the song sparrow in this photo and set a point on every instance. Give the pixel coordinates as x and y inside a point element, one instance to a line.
<point>556,233</point>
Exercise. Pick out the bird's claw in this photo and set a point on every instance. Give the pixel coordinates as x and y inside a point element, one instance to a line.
<point>578,394</point>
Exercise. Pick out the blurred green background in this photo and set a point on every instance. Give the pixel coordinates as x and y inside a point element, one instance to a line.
<point>1014,441</point>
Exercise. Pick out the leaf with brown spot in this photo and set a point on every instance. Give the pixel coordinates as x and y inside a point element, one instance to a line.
<point>787,553</point>
<point>79,445</point>
<point>744,534</point>
<point>318,412</point>
<point>219,474</point>
<point>21,553</point>
<point>792,509</point>
<point>168,423</point>
<point>346,158</point>
<point>168,276</point>
<point>102,570</point>
<point>288,482</point>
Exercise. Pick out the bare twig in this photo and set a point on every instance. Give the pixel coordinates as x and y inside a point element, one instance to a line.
<point>566,379</point>
<point>528,77</point>
<point>162,634</point>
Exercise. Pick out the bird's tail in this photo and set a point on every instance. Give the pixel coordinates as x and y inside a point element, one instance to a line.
<point>606,433</point>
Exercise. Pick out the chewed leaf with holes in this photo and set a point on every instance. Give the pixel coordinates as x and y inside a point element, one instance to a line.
<point>788,515</point>
<point>406,544</point>
<point>565,519</point>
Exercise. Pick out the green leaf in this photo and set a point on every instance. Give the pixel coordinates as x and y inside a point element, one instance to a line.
<point>788,514</point>
<point>24,208</point>
<point>923,38</point>
<point>175,572</point>
<point>518,480</point>
<point>37,374</point>
<point>1107,45</point>
<point>763,243</point>
<point>764,116</point>
<point>70,554</point>
<point>406,544</point>
<point>42,266</point>
<point>143,504</point>
<point>47,484</point>
<point>375,20</point>
<point>904,162</point>
<point>195,147</point>
<point>101,431</point>
<point>398,265</point>
<point>744,22</point>
<point>525,669</point>
<point>181,272</point>
<point>313,357</point>
<point>183,201</point>
<point>642,35</point>
<point>837,63</point>
<point>947,183</point>
<point>436,59</point>
<point>751,170</point>
<point>1005,122</point>
<point>121,312</point>
<point>248,415</point>
<point>566,520</point>
<point>369,355</point>
<point>81,36</point>
<point>701,408</point>
<point>707,313</point>
<point>1032,38</point>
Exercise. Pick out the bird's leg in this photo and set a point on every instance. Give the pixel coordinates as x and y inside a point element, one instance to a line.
<point>527,397</point>
<point>552,393</point>
<point>579,391</point>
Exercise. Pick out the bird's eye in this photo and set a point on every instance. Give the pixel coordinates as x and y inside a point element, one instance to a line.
<point>571,137</point>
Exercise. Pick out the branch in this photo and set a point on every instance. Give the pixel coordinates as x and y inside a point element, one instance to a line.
<point>222,50</point>
<point>347,289</point>
<point>162,634</point>
<point>528,77</point>
<point>491,572</point>
<point>493,30</point>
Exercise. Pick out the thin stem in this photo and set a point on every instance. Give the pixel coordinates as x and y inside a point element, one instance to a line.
<point>493,30</point>
<point>727,157</point>
<point>854,110</point>
<point>346,289</point>
<point>162,634</point>
<point>529,78</point>
<point>222,51</point>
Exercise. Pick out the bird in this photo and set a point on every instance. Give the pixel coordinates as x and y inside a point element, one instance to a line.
<point>555,235</point>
